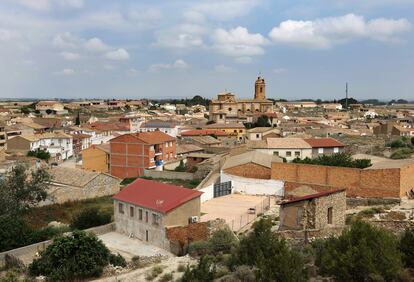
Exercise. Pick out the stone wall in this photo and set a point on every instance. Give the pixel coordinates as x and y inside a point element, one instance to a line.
<point>250,170</point>
<point>102,185</point>
<point>169,174</point>
<point>359,182</point>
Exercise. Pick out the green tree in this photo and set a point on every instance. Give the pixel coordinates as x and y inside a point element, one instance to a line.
<point>90,217</point>
<point>180,167</point>
<point>204,271</point>
<point>270,255</point>
<point>40,154</point>
<point>75,257</point>
<point>359,254</point>
<point>77,121</point>
<point>407,247</point>
<point>338,159</point>
<point>262,121</point>
<point>20,189</point>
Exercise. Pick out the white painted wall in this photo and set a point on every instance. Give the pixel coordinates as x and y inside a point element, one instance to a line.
<point>208,193</point>
<point>253,186</point>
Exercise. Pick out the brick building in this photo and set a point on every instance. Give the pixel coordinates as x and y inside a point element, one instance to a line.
<point>96,158</point>
<point>134,152</point>
<point>314,212</point>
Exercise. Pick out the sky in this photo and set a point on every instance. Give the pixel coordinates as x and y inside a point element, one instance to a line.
<point>181,48</point>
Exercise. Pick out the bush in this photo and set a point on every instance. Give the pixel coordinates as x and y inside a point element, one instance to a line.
<point>180,167</point>
<point>90,217</point>
<point>361,253</point>
<point>397,144</point>
<point>117,260</point>
<point>69,258</point>
<point>166,277</point>
<point>412,141</point>
<point>222,240</point>
<point>204,271</point>
<point>407,247</point>
<point>200,248</point>
<point>40,154</point>
<point>402,153</point>
<point>155,271</point>
<point>181,268</point>
<point>338,159</point>
<point>271,256</point>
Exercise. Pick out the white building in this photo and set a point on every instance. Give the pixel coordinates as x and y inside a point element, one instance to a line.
<point>287,148</point>
<point>168,127</point>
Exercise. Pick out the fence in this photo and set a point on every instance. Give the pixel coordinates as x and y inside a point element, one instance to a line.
<point>241,221</point>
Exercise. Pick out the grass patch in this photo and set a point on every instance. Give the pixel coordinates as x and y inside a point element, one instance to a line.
<point>40,216</point>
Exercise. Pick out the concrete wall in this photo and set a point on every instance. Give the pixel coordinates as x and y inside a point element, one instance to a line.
<point>169,174</point>
<point>18,144</point>
<point>27,253</point>
<point>283,153</point>
<point>208,193</point>
<point>254,186</point>
<point>358,182</point>
<point>181,215</point>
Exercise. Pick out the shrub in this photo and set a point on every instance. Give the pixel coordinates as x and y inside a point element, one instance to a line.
<point>204,271</point>
<point>361,253</point>
<point>181,268</point>
<point>166,277</point>
<point>402,153</point>
<point>75,257</point>
<point>155,271</point>
<point>407,247</point>
<point>117,260</point>
<point>40,154</point>
<point>222,240</point>
<point>412,141</point>
<point>338,159</point>
<point>180,167</point>
<point>90,217</point>
<point>397,144</point>
<point>271,256</point>
<point>200,248</point>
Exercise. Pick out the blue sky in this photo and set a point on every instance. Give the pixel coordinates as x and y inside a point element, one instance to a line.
<point>180,48</point>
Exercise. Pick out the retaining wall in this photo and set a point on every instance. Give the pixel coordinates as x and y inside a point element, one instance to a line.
<point>169,174</point>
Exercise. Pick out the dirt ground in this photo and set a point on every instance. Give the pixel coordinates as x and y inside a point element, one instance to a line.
<point>233,209</point>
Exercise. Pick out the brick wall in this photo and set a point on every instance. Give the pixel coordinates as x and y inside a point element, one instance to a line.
<point>391,182</point>
<point>250,170</point>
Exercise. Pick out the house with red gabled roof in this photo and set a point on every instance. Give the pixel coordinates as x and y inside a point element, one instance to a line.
<point>325,146</point>
<point>134,152</point>
<point>146,208</point>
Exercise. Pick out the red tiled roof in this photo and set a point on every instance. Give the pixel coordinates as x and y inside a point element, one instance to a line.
<point>154,137</point>
<point>312,196</point>
<point>109,126</point>
<point>202,132</point>
<point>155,195</point>
<point>324,142</point>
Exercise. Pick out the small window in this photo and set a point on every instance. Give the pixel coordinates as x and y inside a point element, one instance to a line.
<point>241,131</point>
<point>297,154</point>
<point>171,155</point>
<point>155,219</point>
<point>230,109</point>
<point>288,154</point>
<point>171,144</point>
<point>131,211</point>
<point>121,208</point>
<point>330,215</point>
<point>320,150</point>
<point>140,214</point>
<point>276,153</point>
<point>235,131</point>
<point>166,145</point>
<point>146,216</point>
<point>257,136</point>
<point>336,150</point>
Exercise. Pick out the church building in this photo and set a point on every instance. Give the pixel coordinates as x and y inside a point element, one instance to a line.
<point>227,108</point>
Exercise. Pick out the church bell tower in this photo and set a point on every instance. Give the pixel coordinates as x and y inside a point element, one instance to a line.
<point>260,89</point>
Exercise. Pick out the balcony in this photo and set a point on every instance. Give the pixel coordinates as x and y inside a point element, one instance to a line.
<point>158,152</point>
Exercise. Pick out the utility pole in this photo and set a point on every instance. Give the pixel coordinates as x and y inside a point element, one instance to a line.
<point>346,95</point>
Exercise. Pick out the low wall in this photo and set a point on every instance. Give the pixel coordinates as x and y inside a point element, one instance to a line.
<point>27,253</point>
<point>169,174</point>
<point>208,193</point>
<point>254,186</point>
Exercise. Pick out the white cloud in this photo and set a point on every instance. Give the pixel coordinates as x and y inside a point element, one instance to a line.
<point>46,5</point>
<point>326,32</point>
<point>66,72</point>
<point>77,4</point>
<point>194,16</point>
<point>118,55</point>
<point>65,41</point>
<point>238,42</point>
<point>8,35</point>
<point>69,56</point>
<point>39,5</point>
<point>223,69</point>
<point>243,60</point>
<point>182,37</point>
<point>96,44</point>
<point>178,64</point>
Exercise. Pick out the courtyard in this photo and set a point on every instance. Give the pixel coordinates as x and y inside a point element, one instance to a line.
<point>236,209</point>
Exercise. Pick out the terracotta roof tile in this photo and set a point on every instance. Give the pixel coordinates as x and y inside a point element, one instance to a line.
<point>324,142</point>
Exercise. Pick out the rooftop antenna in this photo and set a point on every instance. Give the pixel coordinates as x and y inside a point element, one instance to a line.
<point>346,95</point>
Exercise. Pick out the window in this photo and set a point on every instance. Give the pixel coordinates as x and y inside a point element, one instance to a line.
<point>276,153</point>
<point>171,144</point>
<point>230,109</point>
<point>288,154</point>
<point>235,131</point>
<point>257,136</point>
<point>336,150</point>
<point>146,216</point>
<point>155,219</point>
<point>297,154</point>
<point>241,131</point>
<point>171,155</point>
<point>121,208</point>
<point>221,116</point>
<point>140,214</point>
<point>131,211</point>
<point>330,214</point>
<point>166,145</point>
<point>320,150</point>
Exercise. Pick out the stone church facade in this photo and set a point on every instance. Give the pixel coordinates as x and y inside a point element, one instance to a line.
<point>227,108</point>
